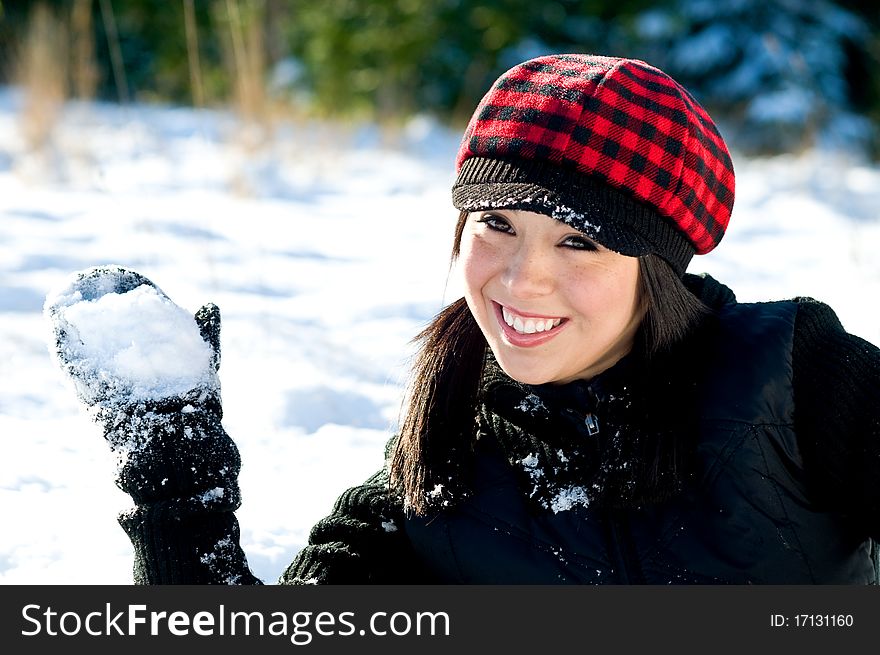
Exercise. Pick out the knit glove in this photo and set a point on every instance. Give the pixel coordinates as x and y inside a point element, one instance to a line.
<point>147,372</point>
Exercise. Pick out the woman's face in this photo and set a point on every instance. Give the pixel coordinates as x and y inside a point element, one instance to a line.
<point>554,305</point>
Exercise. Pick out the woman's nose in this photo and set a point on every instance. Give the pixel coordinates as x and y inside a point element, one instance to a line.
<point>528,274</point>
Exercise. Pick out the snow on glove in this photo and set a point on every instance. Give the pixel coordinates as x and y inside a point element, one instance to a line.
<point>147,372</point>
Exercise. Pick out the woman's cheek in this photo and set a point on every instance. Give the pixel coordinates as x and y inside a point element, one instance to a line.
<point>478,259</point>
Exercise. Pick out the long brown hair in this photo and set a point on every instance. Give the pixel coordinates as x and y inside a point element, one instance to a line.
<point>439,410</point>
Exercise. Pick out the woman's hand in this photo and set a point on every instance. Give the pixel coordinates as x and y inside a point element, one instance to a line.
<point>147,372</point>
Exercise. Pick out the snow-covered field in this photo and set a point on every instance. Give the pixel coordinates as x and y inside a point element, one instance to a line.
<point>326,248</point>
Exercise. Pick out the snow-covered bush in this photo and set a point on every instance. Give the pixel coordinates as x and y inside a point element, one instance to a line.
<point>779,74</point>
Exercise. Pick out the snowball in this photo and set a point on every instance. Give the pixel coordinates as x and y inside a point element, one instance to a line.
<point>138,341</point>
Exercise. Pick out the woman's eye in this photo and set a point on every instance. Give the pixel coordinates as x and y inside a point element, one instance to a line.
<point>579,243</point>
<point>494,222</point>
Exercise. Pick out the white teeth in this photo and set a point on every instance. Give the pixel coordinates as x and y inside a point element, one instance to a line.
<point>529,325</point>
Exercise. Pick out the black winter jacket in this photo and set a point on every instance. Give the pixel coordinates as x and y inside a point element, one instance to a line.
<point>749,453</point>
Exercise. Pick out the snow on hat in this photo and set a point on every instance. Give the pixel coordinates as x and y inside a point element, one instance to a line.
<point>613,147</point>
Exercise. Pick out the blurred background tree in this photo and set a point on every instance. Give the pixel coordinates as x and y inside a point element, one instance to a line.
<point>782,73</point>
<point>778,75</point>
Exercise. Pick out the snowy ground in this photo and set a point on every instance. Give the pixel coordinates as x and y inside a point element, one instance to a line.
<point>326,249</point>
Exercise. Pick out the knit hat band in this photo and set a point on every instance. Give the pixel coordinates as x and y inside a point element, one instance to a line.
<point>598,210</point>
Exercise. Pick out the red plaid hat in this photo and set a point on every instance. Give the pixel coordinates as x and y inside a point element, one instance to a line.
<point>613,147</point>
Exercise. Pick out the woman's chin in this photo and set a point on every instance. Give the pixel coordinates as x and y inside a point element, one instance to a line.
<point>524,374</point>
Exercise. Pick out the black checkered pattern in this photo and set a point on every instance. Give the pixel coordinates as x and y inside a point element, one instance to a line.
<point>614,147</point>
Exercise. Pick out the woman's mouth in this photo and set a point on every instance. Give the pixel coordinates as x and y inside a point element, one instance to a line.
<point>528,325</point>
<point>524,329</point>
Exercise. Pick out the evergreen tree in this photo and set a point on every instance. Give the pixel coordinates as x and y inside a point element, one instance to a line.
<point>782,74</point>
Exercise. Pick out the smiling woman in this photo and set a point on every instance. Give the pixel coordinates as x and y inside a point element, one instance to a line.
<point>553,305</point>
<point>587,413</point>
